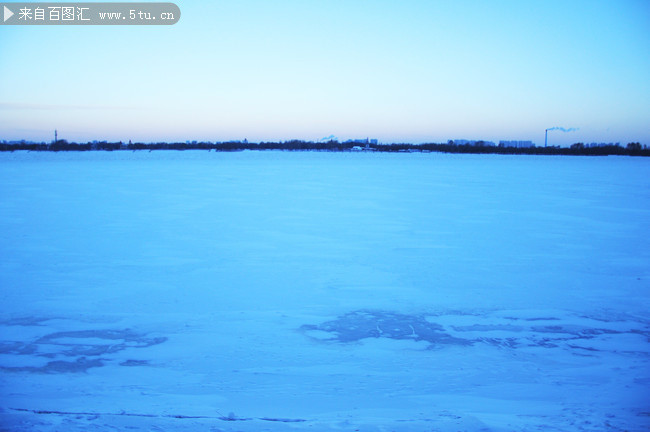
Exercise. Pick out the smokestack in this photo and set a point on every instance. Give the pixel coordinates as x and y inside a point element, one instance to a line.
<point>557,128</point>
<point>545,137</point>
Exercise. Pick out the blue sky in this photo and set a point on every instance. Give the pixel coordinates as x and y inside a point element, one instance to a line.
<point>399,71</point>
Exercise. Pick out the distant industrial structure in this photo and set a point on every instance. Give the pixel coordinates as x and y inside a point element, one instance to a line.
<point>556,128</point>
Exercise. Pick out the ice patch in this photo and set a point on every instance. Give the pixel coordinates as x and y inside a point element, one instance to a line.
<point>362,324</point>
<point>86,345</point>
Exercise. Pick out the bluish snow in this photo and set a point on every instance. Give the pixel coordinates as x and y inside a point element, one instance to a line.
<point>323,291</point>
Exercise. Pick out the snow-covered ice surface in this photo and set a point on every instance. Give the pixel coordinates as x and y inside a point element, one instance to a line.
<point>253,291</point>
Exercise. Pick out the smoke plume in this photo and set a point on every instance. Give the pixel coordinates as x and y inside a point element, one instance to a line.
<point>562,129</point>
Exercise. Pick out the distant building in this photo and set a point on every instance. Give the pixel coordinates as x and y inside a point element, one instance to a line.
<point>474,142</point>
<point>366,143</point>
<point>602,144</point>
<point>517,144</point>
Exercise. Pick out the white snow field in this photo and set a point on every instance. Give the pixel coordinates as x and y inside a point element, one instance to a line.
<point>279,291</point>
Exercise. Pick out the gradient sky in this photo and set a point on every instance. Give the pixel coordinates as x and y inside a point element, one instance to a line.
<point>399,71</point>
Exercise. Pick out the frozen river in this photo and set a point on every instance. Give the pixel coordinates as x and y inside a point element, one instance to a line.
<point>252,291</point>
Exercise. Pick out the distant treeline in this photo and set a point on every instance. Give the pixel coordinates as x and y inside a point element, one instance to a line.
<point>632,149</point>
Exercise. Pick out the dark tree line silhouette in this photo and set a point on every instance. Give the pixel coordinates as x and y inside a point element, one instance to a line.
<point>632,149</point>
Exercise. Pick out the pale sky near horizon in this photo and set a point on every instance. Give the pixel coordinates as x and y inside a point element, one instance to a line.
<point>398,71</point>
